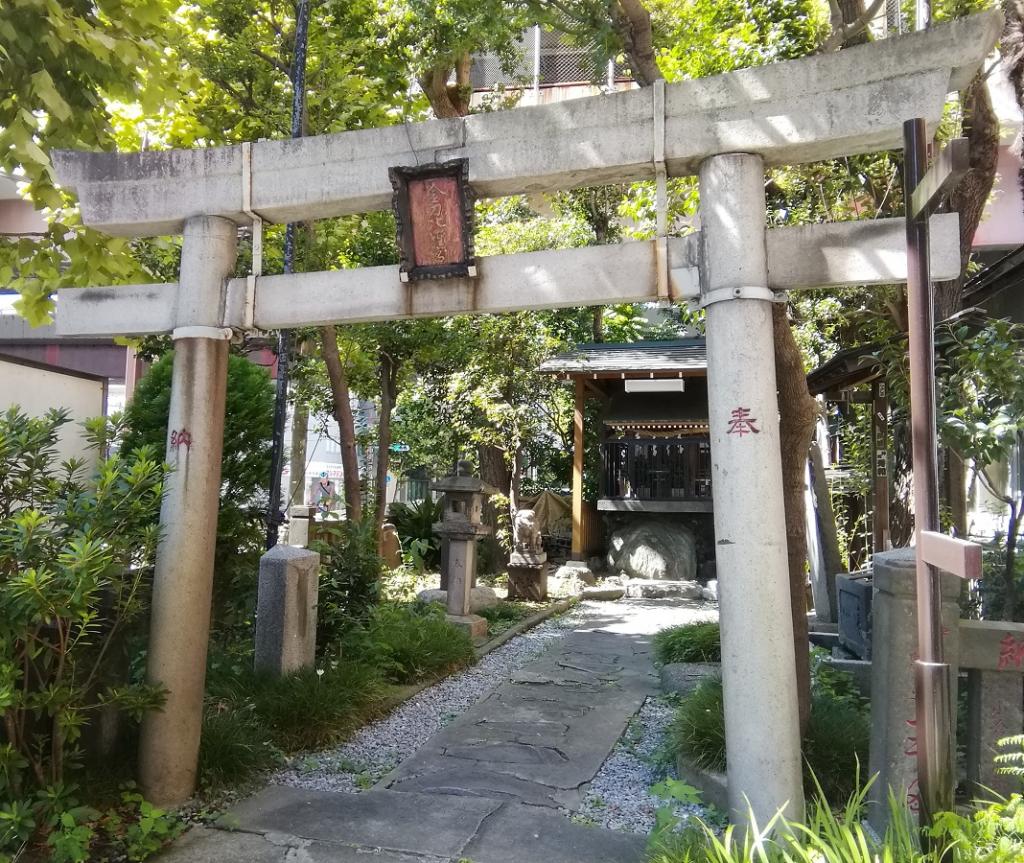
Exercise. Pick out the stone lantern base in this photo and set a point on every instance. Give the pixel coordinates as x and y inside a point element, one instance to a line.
<point>528,576</point>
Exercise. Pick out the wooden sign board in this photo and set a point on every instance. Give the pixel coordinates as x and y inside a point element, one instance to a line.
<point>433,206</point>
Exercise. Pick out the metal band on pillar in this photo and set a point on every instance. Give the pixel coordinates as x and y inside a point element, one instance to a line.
<point>217,333</point>
<point>744,292</point>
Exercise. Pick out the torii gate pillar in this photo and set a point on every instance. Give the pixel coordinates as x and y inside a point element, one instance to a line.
<point>758,660</point>
<point>183,581</point>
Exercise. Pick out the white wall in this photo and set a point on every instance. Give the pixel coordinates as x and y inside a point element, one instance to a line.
<point>36,389</point>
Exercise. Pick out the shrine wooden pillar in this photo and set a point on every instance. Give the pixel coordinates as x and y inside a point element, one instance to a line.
<point>578,552</point>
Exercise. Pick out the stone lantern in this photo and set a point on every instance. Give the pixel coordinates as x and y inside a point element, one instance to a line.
<point>461,525</point>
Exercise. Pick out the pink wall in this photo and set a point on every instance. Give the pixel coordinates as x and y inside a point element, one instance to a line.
<point>1002,226</point>
<point>19,217</point>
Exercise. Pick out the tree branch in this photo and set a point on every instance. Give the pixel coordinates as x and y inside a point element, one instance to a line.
<point>273,61</point>
<point>841,35</point>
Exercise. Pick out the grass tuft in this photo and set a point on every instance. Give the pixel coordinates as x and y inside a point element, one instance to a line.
<point>691,642</point>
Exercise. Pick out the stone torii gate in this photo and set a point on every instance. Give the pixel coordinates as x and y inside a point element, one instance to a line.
<point>726,128</point>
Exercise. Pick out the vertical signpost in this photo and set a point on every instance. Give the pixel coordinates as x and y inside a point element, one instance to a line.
<point>923,192</point>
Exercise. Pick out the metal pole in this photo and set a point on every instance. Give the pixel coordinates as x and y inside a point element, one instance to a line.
<point>275,517</point>
<point>934,740</point>
<point>922,14</point>
<point>536,64</point>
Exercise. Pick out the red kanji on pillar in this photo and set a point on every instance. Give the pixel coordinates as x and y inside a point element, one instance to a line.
<point>742,423</point>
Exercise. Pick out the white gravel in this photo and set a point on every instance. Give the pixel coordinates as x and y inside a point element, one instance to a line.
<point>378,748</point>
<point>619,798</point>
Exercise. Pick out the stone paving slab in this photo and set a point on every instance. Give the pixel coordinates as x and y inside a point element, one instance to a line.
<point>577,697</point>
<point>538,739</point>
<point>525,834</point>
<point>206,845</point>
<point>384,819</point>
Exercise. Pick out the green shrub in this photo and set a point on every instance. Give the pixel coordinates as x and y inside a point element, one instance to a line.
<point>989,833</point>
<point>835,835</point>
<point>835,746</point>
<point>415,526</point>
<point>350,576</point>
<point>410,643</point>
<point>691,642</point>
<point>245,472</point>
<point>76,559</point>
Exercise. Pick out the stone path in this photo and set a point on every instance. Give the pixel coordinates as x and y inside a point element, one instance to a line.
<point>488,787</point>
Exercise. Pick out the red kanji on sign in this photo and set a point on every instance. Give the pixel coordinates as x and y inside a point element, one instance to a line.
<point>742,423</point>
<point>1011,653</point>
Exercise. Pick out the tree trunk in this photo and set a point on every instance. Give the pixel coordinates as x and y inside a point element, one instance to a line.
<point>346,423</point>
<point>388,373</point>
<point>1009,574</point>
<point>798,412</point>
<point>981,128</point>
<point>515,491</point>
<point>297,457</point>
<point>435,87</point>
<point>598,323</point>
<point>1012,49</point>
<point>956,492</point>
<point>449,101</point>
<point>494,471</point>
<point>632,23</point>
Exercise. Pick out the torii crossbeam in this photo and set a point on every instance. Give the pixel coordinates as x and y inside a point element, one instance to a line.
<point>727,128</point>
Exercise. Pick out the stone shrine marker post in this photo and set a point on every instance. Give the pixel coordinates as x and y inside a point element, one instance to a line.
<point>727,128</point>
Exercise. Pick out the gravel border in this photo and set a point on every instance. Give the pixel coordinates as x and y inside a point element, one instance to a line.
<point>619,797</point>
<point>378,748</point>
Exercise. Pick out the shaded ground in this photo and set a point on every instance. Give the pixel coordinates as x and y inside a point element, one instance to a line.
<point>492,784</point>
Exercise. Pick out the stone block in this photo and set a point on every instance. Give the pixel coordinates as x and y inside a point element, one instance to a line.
<point>828,640</point>
<point>682,678</point>
<point>893,754</point>
<point>479,598</point>
<point>286,610</point>
<point>475,625</point>
<point>710,591</point>
<point>995,709</point>
<point>299,518</point>
<point>566,581</point>
<point>604,593</point>
<point>528,582</point>
<point>858,669</point>
<point>638,588</point>
<point>992,645</point>
<point>653,548</point>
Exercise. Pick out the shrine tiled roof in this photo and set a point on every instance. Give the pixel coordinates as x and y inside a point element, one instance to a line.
<point>680,355</point>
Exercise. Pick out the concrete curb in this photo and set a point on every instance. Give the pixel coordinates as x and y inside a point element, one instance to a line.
<point>522,626</point>
<point>713,786</point>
